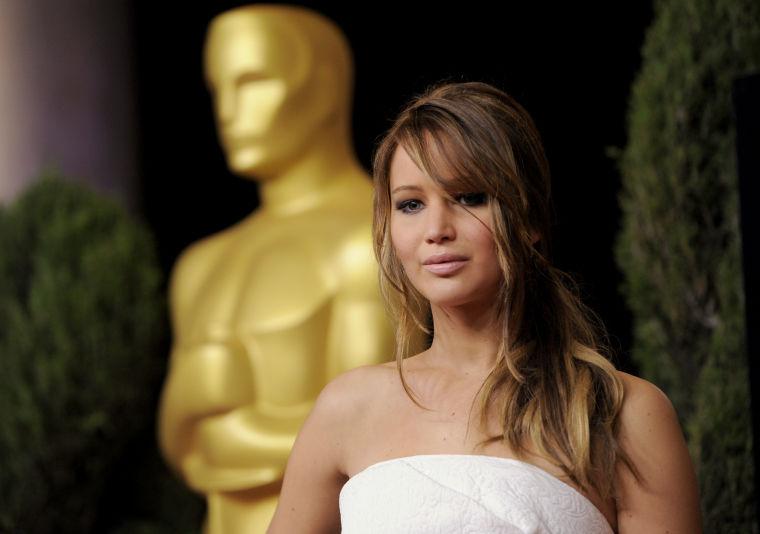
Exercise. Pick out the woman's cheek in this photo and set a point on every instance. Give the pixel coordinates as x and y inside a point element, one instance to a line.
<point>400,245</point>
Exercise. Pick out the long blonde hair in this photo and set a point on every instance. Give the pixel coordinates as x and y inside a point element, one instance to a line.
<point>554,385</point>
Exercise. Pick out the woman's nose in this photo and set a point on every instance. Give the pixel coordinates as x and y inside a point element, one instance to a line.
<point>440,223</point>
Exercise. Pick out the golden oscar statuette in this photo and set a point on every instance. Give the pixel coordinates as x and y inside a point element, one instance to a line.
<point>267,311</point>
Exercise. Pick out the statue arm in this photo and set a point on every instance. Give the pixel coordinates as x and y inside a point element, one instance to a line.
<point>208,385</point>
<point>245,448</point>
<point>214,432</point>
<point>179,406</point>
<point>360,330</point>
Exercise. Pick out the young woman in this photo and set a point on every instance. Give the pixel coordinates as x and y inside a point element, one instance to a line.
<point>560,441</point>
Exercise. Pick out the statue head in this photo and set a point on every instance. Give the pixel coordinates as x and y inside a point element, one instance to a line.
<point>281,79</point>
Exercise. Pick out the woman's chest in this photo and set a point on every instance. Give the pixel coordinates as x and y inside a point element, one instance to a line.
<point>395,427</point>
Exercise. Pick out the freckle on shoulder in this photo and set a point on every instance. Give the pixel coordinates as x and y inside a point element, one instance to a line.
<point>642,400</point>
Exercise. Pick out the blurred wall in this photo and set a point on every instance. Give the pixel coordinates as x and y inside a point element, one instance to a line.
<point>66,95</point>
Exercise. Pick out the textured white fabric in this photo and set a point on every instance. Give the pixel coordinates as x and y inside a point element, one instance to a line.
<point>463,494</point>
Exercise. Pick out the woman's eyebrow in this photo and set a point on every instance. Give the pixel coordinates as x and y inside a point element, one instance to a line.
<point>403,187</point>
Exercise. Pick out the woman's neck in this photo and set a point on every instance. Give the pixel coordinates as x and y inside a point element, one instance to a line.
<point>464,341</point>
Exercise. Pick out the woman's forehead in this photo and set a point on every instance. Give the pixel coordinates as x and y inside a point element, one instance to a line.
<point>403,168</point>
<point>405,171</point>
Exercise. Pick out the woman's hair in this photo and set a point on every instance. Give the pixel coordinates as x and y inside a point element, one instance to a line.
<point>553,385</point>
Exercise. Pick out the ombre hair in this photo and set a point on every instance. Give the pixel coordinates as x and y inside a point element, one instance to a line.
<point>554,385</point>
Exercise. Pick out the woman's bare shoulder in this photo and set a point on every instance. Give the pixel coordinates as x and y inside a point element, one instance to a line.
<point>358,379</point>
<point>643,404</point>
<point>315,471</point>
<point>353,389</point>
<point>650,433</point>
<point>638,389</point>
<point>642,401</point>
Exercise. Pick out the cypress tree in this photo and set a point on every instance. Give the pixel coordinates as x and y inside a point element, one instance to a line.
<point>679,246</point>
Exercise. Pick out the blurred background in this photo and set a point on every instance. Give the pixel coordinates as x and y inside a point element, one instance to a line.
<point>110,167</point>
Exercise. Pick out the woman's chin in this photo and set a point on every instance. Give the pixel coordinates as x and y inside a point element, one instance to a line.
<point>450,301</point>
<point>458,299</point>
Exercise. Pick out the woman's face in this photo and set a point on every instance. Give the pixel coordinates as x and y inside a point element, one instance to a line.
<point>447,252</point>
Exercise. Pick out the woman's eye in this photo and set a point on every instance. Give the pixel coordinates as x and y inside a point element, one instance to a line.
<point>472,199</point>
<point>408,206</point>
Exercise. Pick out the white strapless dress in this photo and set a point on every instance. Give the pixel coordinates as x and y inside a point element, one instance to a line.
<point>464,493</point>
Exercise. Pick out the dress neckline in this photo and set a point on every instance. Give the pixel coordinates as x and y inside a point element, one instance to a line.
<point>485,457</point>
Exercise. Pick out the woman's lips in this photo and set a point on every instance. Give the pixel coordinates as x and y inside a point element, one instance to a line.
<point>447,267</point>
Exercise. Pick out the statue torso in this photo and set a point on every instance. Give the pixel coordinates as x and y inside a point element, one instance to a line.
<point>266,291</point>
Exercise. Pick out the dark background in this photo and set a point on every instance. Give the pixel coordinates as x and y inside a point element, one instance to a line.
<point>571,67</point>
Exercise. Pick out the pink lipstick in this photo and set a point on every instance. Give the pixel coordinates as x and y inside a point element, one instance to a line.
<point>445,263</point>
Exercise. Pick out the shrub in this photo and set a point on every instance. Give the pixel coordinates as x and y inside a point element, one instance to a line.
<point>81,326</point>
<point>679,246</point>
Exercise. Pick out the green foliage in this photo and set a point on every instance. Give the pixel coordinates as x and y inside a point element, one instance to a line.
<point>82,315</point>
<point>679,246</point>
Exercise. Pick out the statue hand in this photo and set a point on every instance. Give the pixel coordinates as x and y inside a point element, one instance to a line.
<point>243,448</point>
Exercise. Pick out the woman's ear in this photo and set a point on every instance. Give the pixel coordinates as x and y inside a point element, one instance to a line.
<point>535,237</point>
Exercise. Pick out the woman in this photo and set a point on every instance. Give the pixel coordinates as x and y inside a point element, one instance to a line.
<point>561,441</point>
